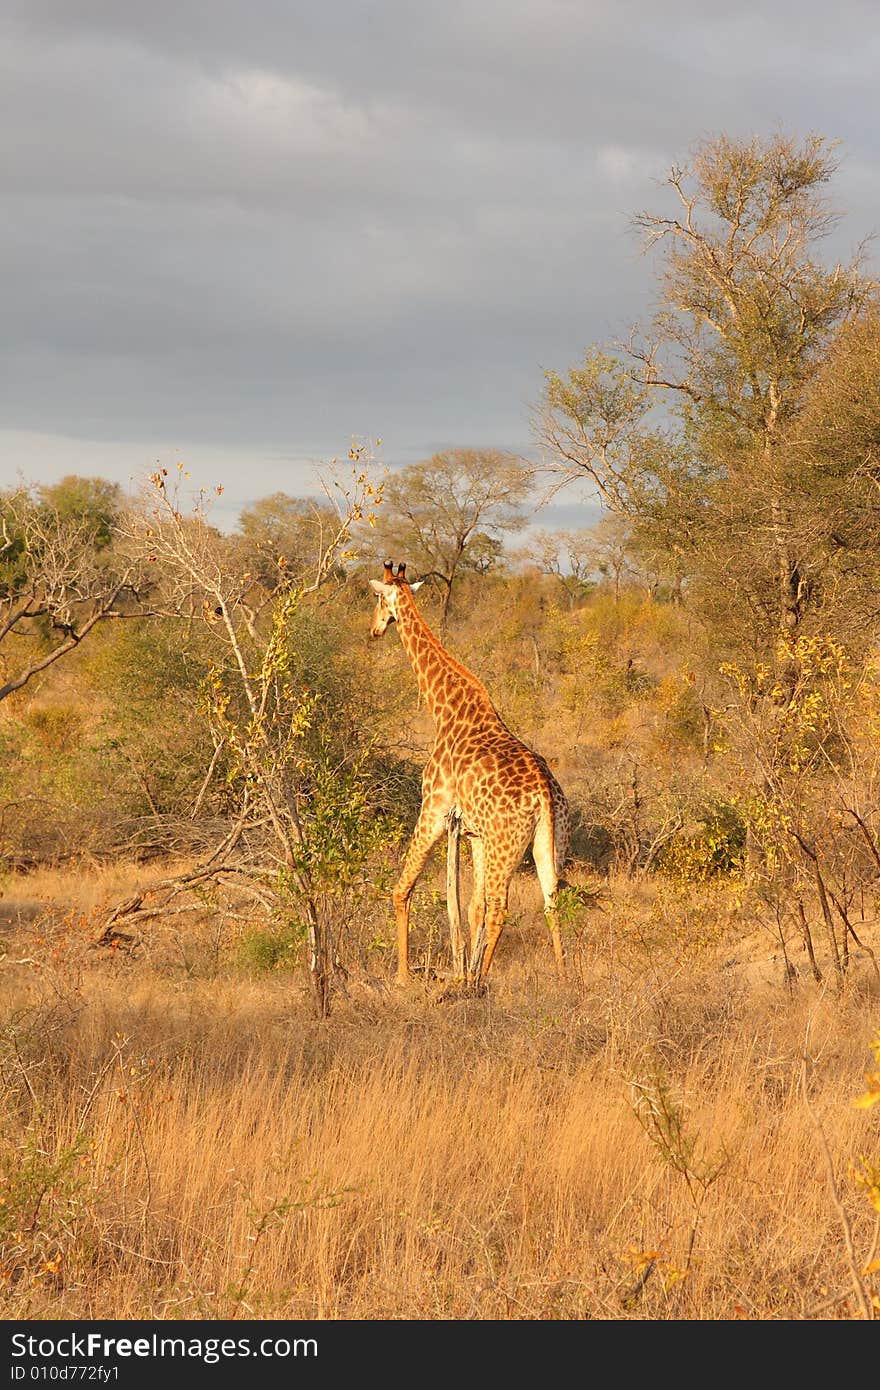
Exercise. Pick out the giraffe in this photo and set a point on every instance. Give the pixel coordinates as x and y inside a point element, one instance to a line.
<point>505,794</point>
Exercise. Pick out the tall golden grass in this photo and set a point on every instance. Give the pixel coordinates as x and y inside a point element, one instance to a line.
<point>182,1140</point>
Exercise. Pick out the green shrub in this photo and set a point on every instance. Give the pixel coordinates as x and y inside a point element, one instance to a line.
<point>262,950</point>
<point>714,845</point>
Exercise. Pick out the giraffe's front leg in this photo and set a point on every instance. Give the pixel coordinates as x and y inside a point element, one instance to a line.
<point>430,826</point>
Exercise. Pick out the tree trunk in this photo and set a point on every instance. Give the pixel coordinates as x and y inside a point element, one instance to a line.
<point>319,962</point>
<point>788,573</point>
<point>790,590</point>
<point>788,577</point>
<point>444,607</point>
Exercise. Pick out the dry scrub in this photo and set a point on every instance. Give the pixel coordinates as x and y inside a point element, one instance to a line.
<point>182,1139</point>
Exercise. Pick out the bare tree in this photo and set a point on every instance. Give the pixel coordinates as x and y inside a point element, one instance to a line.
<point>450,512</point>
<point>592,424</point>
<point>56,585</point>
<point>610,546</point>
<point>259,716</point>
<point>564,555</point>
<point>279,536</point>
<point>578,557</point>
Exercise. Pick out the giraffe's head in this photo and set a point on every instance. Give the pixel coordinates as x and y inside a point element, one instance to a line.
<point>388,590</point>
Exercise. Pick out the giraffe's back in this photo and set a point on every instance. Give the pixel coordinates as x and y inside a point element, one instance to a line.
<point>503,788</point>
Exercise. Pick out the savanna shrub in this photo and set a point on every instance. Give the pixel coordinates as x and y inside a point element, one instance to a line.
<point>714,844</point>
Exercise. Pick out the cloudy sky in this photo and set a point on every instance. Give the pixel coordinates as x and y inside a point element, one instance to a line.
<point>242,233</point>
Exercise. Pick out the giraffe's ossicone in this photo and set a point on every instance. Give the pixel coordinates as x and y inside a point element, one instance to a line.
<point>506,794</point>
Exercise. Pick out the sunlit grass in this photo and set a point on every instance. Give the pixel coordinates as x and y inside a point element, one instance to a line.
<point>185,1141</point>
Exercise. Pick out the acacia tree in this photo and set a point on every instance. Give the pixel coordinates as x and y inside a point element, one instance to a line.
<point>748,312</point>
<point>833,450</point>
<point>282,536</point>
<point>59,578</point>
<point>448,513</point>
<point>96,503</point>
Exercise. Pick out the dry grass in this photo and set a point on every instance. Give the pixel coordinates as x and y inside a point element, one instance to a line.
<point>191,1143</point>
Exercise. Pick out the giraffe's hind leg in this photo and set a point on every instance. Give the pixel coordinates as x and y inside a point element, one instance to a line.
<point>500,865</point>
<point>453,894</point>
<point>496,911</point>
<point>477,905</point>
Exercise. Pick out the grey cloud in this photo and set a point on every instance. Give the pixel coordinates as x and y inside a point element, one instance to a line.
<point>274,225</point>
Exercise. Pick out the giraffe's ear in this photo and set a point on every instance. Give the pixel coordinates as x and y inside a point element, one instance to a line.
<point>383,590</point>
<point>416,585</point>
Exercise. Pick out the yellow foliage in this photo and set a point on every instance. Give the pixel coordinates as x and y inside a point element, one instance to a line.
<point>866,1177</point>
<point>871,1097</point>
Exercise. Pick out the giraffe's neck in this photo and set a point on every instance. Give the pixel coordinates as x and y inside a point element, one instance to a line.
<point>443,681</point>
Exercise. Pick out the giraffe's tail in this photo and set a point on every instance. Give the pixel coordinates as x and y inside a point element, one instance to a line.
<point>552,831</point>
<point>548,849</point>
<point>554,822</point>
